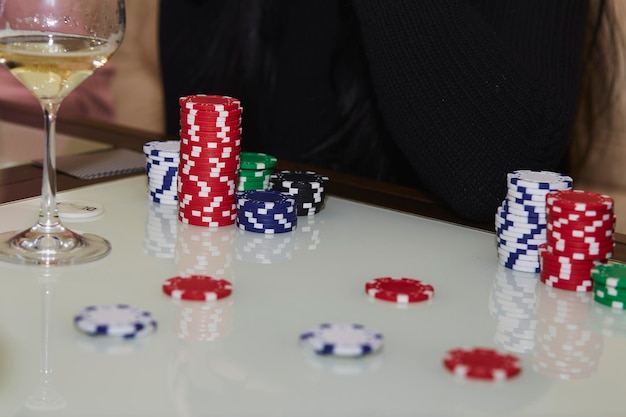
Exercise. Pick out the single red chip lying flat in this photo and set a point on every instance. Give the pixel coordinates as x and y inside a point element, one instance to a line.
<point>482,363</point>
<point>399,290</point>
<point>197,288</point>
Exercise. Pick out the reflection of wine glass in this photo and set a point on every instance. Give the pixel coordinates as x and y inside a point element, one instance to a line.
<point>51,47</point>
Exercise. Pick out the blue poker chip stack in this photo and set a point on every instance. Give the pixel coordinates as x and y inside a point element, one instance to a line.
<point>520,220</point>
<point>307,187</point>
<point>263,211</point>
<point>162,158</point>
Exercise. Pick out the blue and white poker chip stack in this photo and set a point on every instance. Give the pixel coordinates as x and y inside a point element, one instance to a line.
<point>520,221</point>
<point>266,211</point>
<point>162,159</point>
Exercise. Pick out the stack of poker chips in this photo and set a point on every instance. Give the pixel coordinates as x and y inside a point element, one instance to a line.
<point>162,159</point>
<point>255,171</point>
<point>566,347</point>
<point>210,144</point>
<point>269,212</point>
<point>609,285</point>
<point>521,218</point>
<point>579,236</point>
<point>307,187</point>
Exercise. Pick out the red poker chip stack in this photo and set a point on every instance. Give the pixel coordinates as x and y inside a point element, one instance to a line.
<point>580,227</point>
<point>210,147</point>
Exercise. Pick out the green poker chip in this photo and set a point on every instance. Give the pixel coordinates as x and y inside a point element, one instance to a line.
<point>610,302</point>
<point>611,275</point>
<point>255,173</point>
<point>616,294</point>
<point>257,161</point>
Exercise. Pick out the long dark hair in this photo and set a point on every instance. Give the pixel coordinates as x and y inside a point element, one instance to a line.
<point>598,92</point>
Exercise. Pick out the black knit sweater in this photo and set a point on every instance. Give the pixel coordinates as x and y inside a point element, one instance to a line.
<point>460,92</point>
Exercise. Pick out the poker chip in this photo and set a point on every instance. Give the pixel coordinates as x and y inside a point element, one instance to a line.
<point>580,228</point>
<point>618,294</point>
<point>266,211</point>
<point>209,102</point>
<point>609,285</point>
<point>79,209</point>
<point>255,171</point>
<point>115,320</point>
<point>482,363</point>
<point>580,200</point>
<point>342,339</point>
<point>521,219</point>
<point>210,148</point>
<point>162,160</point>
<point>197,288</point>
<point>307,187</point>
<point>611,275</point>
<point>257,161</point>
<point>540,180</point>
<point>399,290</point>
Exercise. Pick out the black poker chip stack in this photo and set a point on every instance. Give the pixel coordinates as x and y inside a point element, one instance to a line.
<point>307,187</point>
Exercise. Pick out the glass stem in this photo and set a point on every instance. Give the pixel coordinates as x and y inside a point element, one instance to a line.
<point>48,214</point>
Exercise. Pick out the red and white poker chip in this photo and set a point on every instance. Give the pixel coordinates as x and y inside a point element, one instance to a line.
<point>579,200</point>
<point>197,288</point>
<point>399,290</point>
<point>209,102</point>
<point>554,282</point>
<point>482,363</point>
<point>210,113</point>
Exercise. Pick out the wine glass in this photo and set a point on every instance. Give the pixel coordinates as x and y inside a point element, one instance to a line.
<point>52,46</point>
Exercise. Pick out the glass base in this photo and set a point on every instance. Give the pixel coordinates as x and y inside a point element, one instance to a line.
<point>61,247</point>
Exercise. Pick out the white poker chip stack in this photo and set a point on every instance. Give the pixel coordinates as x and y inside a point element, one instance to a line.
<point>520,220</point>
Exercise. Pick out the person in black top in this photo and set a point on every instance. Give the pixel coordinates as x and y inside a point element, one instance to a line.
<point>442,95</point>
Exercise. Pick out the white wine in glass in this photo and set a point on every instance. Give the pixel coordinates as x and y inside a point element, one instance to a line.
<point>52,46</point>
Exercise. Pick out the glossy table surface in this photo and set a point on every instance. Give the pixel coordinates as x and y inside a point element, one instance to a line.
<point>572,348</point>
<point>254,365</point>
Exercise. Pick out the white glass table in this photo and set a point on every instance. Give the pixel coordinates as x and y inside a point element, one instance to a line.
<point>254,365</point>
